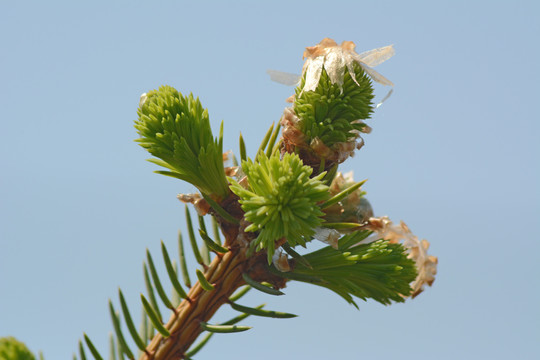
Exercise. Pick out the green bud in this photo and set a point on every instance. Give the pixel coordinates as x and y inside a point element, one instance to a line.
<point>12,349</point>
<point>281,200</point>
<point>176,130</point>
<point>331,111</point>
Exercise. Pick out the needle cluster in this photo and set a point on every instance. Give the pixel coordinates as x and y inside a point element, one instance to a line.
<point>378,270</point>
<point>333,111</point>
<point>280,200</point>
<point>176,130</point>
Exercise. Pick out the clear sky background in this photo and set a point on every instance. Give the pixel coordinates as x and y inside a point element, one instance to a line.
<point>454,152</point>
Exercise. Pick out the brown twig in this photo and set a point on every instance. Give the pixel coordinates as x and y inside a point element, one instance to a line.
<point>225,274</point>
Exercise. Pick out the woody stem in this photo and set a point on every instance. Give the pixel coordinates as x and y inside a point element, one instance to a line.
<point>225,273</point>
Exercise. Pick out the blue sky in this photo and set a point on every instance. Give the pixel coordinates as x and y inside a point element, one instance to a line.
<point>454,153</point>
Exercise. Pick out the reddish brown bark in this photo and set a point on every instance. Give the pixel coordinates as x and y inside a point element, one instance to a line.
<point>225,273</point>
